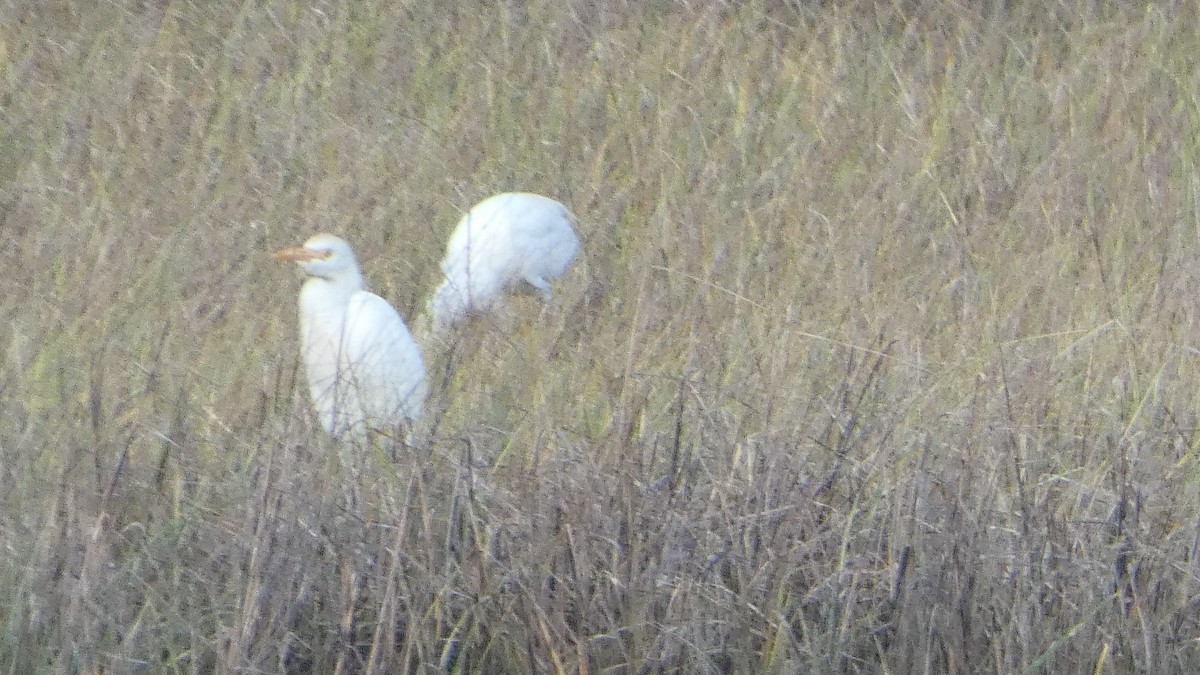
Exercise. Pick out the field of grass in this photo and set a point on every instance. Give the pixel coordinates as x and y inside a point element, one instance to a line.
<point>880,355</point>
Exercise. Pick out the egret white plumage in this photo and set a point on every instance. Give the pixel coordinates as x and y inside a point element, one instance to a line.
<point>364,370</point>
<point>504,241</point>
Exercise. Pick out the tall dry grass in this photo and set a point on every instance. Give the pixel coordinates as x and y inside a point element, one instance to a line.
<point>879,356</point>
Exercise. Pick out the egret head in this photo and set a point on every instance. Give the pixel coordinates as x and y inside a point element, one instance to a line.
<point>326,257</point>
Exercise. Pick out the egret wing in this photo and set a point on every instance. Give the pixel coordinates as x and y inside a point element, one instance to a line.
<point>384,362</point>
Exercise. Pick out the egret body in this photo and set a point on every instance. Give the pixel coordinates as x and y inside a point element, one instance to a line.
<point>503,242</point>
<point>365,371</point>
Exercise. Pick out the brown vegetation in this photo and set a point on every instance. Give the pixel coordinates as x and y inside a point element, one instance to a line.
<point>879,356</point>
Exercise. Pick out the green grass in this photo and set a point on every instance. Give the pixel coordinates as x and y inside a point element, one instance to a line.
<point>879,355</point>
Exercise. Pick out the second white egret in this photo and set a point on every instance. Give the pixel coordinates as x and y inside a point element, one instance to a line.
<point>506,240</point>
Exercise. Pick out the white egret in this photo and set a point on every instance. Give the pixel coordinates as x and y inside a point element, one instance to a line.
<point>503,241</point>
<point>365,372</point>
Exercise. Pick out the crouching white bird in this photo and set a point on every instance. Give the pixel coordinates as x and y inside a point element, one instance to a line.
<point>504,241</point>
<point>365,372</point>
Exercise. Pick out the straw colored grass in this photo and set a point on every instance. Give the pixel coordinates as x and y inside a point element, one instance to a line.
<point>879,355</point>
